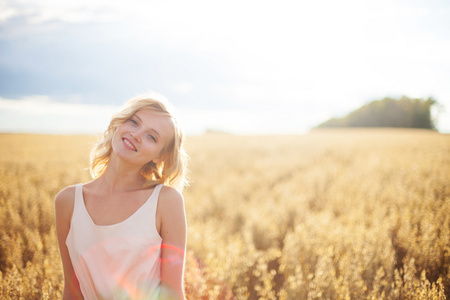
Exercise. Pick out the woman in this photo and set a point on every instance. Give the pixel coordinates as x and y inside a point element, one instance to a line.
<point>123,234</point>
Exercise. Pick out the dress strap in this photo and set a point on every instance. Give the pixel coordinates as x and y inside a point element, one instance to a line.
<point>78,195</point>
<point>157,190</point>
<point>152,203</point>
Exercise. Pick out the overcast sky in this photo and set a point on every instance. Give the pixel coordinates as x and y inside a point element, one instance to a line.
<point>249,67</point>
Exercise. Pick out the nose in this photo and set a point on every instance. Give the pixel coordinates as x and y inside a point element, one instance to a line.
<point>136,135</point>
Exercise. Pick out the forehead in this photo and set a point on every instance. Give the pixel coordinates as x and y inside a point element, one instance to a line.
<point>156,121</point>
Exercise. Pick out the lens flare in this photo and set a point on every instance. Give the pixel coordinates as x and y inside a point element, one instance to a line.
<point>121,273</point>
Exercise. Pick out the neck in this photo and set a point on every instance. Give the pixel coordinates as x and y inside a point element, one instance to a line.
<point>120,177</point>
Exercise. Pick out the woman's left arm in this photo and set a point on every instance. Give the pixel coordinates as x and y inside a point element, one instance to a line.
<point>173,233</point>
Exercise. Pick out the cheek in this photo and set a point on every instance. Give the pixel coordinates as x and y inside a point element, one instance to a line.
<point>154,149</point>
<point>163,154</point>
<point>116,139</point>
<point>116,135</point>
<point>122,127</point>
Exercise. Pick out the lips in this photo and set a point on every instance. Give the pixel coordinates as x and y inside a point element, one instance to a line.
<point>128,144</point>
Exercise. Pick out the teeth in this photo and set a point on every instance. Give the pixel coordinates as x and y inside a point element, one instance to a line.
<point>129,144</point>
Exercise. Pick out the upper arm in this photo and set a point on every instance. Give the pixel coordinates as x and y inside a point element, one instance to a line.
<point>64,203</point>
<point>173,233</point>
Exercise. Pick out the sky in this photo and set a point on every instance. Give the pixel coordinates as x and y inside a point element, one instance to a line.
<point>243,67</point>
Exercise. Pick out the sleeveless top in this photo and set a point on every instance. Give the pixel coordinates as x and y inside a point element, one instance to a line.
<point>119,261</point>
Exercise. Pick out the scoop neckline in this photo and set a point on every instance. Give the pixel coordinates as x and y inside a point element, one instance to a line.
<point>121,222</point>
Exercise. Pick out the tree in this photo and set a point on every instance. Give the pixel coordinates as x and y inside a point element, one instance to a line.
<point>388,112</point>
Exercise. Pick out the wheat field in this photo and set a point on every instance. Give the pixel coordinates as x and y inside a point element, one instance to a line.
<point>333,214</point>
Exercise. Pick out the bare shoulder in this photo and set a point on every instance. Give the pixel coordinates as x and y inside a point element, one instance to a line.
<point>64,200</point>
<point>64,204</point>
<point>170,194</point>
<point>172,217</point>
<point>170,200</point>
<point>66,194</point>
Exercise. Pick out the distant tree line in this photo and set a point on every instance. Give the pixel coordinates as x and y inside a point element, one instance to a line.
<point>403,112</point>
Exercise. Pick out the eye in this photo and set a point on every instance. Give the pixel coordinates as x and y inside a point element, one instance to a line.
<point>134,122</point>
<point>151,137</point>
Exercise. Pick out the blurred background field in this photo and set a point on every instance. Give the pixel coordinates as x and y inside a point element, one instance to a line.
<point>332,214</point>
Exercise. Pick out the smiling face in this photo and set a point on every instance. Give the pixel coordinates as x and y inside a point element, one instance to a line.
<point>142,137</point>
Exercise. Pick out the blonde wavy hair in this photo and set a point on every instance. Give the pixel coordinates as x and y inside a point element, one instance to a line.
<point>171,171</point>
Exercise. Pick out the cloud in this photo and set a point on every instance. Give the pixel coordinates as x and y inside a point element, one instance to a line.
<point>233,60</point>
<point>41,114</point>
<point>183,88</point>
<point>248,122</point>
<point>43,11</point>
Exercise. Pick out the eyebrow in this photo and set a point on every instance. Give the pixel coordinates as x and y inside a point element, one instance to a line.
<point>156,132</point>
